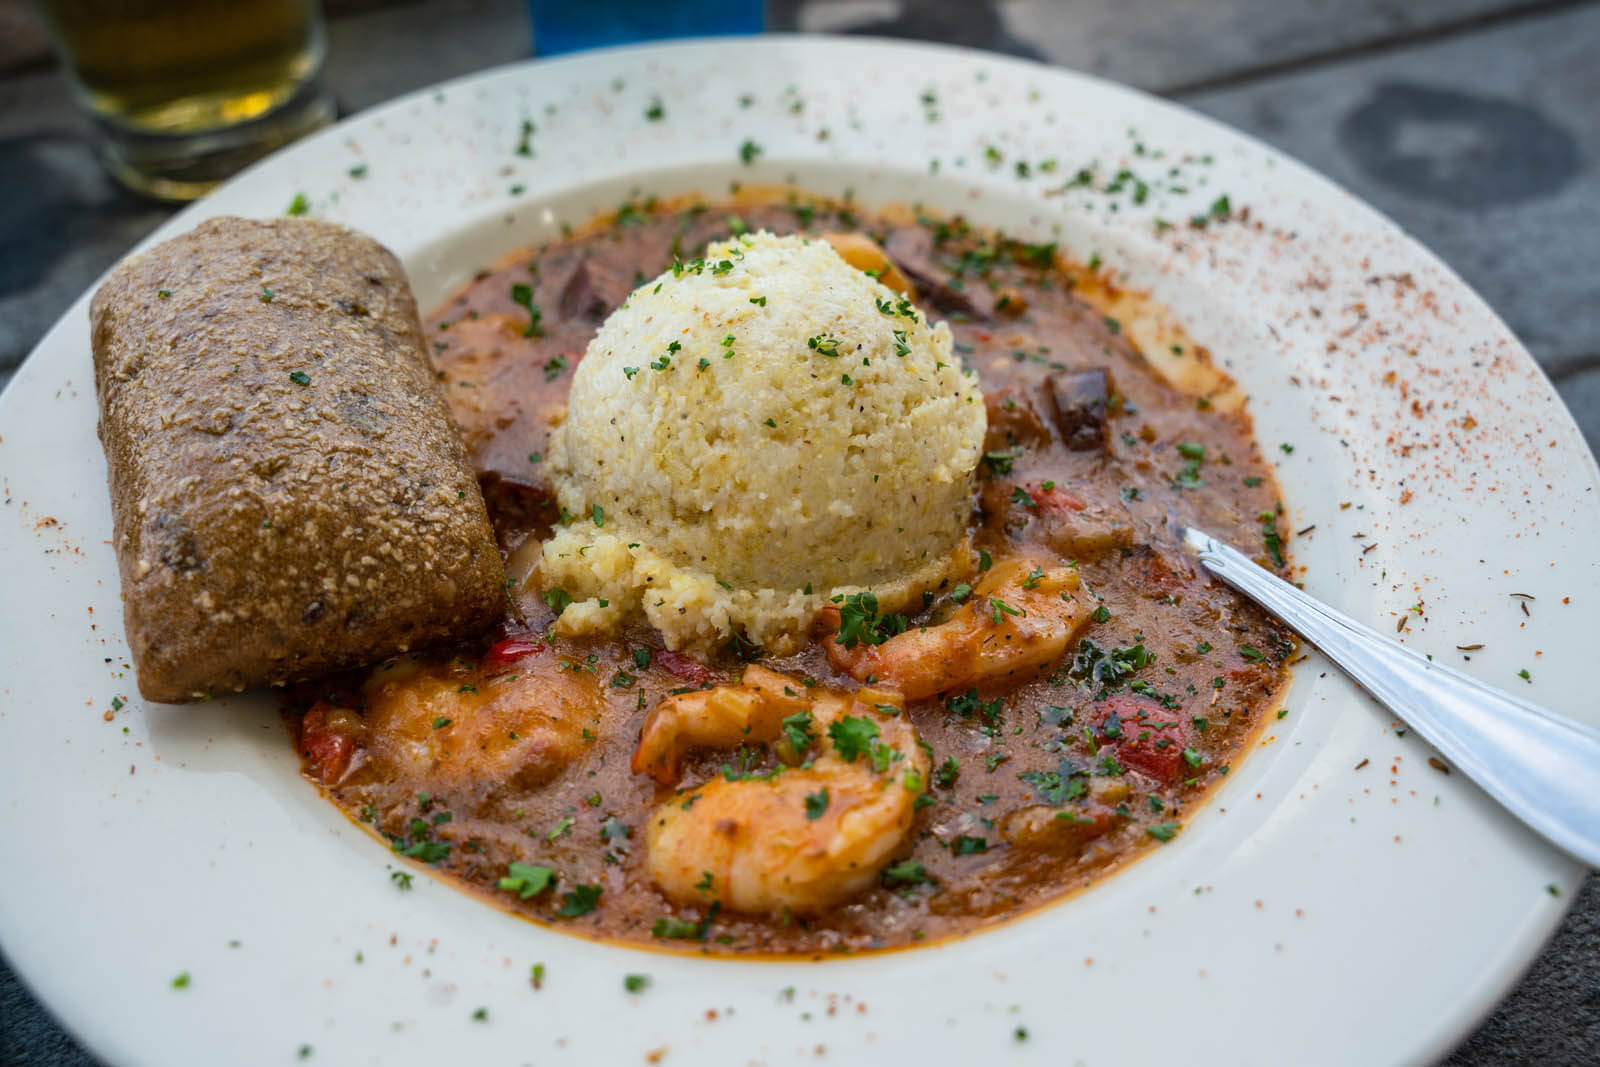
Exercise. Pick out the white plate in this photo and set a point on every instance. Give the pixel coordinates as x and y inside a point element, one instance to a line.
<point>1313,913</point>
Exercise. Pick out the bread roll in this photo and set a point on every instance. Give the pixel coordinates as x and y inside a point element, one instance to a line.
<point>289,493</point>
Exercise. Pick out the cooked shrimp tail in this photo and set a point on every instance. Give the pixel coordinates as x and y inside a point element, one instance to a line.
<point>1017,621</point>
<point>801,838</point>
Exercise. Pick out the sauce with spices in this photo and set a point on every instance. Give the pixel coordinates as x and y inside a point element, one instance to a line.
<point>510,766</point>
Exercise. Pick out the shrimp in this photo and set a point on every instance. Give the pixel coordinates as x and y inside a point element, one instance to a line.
<point>459,731</point>
<point>865,254</point>
<point>1020,618</point>
<point>803,838</point>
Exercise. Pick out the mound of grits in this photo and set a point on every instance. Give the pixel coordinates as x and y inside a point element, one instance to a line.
<point>752,434</point>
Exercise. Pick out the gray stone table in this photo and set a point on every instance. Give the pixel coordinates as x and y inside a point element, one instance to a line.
<point>1474,123</point>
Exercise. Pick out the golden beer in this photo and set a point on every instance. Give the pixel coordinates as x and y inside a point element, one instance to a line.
<point>188,91</point>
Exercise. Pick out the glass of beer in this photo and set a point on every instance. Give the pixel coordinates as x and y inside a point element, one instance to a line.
<point>186,92</point>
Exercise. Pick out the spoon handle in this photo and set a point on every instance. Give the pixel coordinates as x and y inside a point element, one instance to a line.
<point>1544,768</point>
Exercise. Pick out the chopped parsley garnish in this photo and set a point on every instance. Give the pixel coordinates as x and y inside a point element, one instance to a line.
<point>636,983</point>
<point>300,377</point>
<point>426,851</point>
<point>1270,536</point>
<point>1001,609</point>
<point>906,872</point>
<point>797,731</point>
<point>817,803</point>
<point>553,368</point>
<point>824,345</point>
<point>522,296</point>
<point>1219,211</point>
<point>1194,455</point>
<point>1108,668</point>
<point>557,598</point>
<point>527,880</point>
<point>299,205</point>
<point>1002,461</point>
<point>851,736</point>
<point>580,900</point>
<point>1067,782</point>
<point>965,704</point>
<point>965,845</point>
<point>676,929</point>
<point>1162,831</point>
<point>859,622</point>
<point>748,151</point>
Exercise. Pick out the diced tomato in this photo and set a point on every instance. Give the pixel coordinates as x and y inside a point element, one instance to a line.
<point>1053,499</point>
<point>328,738</point>
<point>503,654</point>
<point>1152,737</point>
<point>690,670</point>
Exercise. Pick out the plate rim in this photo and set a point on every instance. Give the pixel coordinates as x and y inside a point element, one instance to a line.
<point>1545,920</point>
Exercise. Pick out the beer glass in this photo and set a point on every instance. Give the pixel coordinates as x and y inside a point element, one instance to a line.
<point>186,92</point>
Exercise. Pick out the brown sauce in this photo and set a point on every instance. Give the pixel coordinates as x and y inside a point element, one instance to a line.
<point>519,751</point>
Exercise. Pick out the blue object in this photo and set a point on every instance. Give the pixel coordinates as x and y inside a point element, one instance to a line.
<point>574,25</point>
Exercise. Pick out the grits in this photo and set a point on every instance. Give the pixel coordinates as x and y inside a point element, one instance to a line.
<point>752,434</point>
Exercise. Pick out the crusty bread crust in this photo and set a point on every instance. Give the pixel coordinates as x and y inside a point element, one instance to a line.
<point>289,493</point>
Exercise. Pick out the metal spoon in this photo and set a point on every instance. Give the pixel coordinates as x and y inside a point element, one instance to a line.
<point>1544,768</point>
